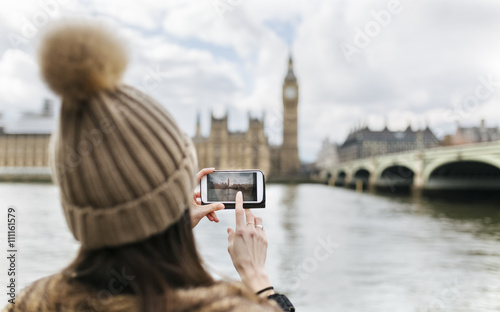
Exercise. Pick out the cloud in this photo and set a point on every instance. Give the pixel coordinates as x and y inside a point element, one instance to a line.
<point>418,63</point>
<point>185,80</point>
<point>20,86</point>
<point>416,69</point>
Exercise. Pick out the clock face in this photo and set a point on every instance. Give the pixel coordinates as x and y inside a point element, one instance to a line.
<point>290,92</point>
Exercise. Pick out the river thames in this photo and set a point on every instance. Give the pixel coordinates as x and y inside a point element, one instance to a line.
<point>330,249</point>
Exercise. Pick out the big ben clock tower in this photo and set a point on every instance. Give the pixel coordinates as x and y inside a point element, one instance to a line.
<point>289,156</point>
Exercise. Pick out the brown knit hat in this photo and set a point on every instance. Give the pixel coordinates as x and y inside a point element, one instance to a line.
<point>125,169</point>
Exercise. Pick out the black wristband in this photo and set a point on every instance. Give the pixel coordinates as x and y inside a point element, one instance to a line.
<point>263,290</point>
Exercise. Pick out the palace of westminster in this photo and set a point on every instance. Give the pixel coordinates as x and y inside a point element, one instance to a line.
<point>239,150</point>
<point>221,149</point>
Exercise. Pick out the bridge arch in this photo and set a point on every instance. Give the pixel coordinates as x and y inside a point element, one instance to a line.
<point>328,177</point>
<point>340,179</point>
<point>410,162</point>
<point>363,175</point>
<point>465,175</point>
<point>396,177</point>
<point>430,168</point>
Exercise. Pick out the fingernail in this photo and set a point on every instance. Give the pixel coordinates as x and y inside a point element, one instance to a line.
<point>220,206</point>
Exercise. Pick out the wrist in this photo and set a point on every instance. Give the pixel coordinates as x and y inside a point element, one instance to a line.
<point>266,292</point>
<point>257,281</point>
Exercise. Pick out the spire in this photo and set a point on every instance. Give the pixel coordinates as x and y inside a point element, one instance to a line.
<point>386,123</point>
<point>198,124</point>
<point>290,76</point>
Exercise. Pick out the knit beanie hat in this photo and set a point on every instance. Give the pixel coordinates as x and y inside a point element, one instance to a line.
<point>124,167</point>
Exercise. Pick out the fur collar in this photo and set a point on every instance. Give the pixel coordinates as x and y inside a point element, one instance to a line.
<point>58,293</point>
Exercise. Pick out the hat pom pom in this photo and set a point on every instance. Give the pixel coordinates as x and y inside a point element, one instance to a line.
<point>79,59</point>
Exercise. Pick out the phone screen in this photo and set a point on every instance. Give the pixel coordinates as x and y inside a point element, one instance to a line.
<point>223,186</point>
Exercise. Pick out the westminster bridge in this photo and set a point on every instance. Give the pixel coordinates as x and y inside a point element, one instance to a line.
<point>463,167</point>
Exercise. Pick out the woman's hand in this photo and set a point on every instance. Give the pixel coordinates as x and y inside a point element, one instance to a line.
<point>248,248</point>
<point>198,211</point>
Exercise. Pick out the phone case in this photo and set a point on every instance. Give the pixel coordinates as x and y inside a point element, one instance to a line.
<point>262,204</point>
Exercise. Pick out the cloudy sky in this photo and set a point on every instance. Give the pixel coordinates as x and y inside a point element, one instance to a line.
<point>357,62</point>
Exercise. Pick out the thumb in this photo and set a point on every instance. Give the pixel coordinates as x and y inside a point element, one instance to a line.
<point>213,207</point>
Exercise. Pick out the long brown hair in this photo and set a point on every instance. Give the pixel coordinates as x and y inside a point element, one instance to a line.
<point>154,267</point>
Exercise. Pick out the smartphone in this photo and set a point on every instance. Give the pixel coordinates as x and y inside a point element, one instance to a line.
<point>221,186</point>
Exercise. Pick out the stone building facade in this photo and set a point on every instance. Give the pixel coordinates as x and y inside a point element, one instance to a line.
<point>26,144</point>
<point>224,149</point>
<point>364,142</point>
<point>470,135</point>
<point>24,150</point>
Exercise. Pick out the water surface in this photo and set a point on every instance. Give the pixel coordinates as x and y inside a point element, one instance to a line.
<point>331,249</point>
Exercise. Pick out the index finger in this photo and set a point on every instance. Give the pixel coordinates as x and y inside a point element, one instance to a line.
<point>203,172</point>
<point>240,214</point>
